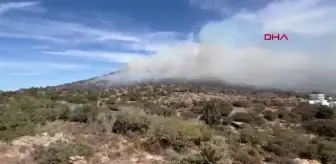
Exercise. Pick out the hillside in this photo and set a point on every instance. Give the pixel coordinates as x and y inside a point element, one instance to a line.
<point>163,122</point>
<point>112,80</point>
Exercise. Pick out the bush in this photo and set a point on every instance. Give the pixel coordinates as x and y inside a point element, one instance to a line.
<point>197,109</point>
<point>323,150</point>
<point>211,114</point>
<point>321,127</point>
<point>277,103</point>
<point>241,103</point>
<point>51,114</point>
<point>14,123</point>
<point>246,157</point>
<point>12,133</point>
<point>253,136</point>
<point>258,108</point>
<point>84,114</point>
<point>227,120</point>
<point>306,111</point>
<point>60,152</point>
<point>133,96</point>
<point>282,160</point>
<point>111,101</point>
<point>282,114</point>
<point>113,107</point>
<point>269,115</point>
<point>133,122</point>
<point>259,121</point>
<point>215,151</point>
<point>224,108</point>
<point>324,112</point>
<point>243,117</point>
<point>191,160</point>
<point>189,115</point>
<point>178,134</point>
<point>156,109</point>
<point>287,144</point>
<point>92,96</point>
<point>288,116</point>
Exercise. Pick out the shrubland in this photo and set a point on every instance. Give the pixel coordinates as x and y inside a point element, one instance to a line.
<point>204,127</point>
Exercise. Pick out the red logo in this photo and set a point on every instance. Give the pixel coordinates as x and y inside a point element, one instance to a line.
<point>275,36</point>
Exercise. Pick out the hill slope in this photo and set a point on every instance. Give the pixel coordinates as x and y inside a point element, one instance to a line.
<point>163,122</point>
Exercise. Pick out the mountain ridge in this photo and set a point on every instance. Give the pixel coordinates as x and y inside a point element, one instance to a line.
<point>105,82</point>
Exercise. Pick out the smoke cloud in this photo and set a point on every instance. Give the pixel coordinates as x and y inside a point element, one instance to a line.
<point>233,50</point>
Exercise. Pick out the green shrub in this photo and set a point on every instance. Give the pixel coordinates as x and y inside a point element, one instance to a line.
<point>306,111</point>
<point>197,109</point>
<point>224,108</point>
<point>191,160</point>
<point>322,150</point>
<point>113,107</point>
<point>243,117</point>
<point>211,114</point>
<point>277,103</point>
<point>288,116</point>
<point>321,127</point>
<point>282,114</point>
<point>135,122</point>
<point>227,120</point>
<point>241,103</point>
<point>294,118</point>
<point>133,96</point>
<point>156,109</point>
<point>60,152</point>
<point>14,123</point>
<point>189,115</point>
<point>215,151</point>
<point>324,112</point>
<point>269,115</point>
<point>84,114</point>
<point>44,114</point>
<point>12,133</point>
<point>178,134</point>
<point>111,100</point>
<point>287,144</point>
<point>259,121</point>
<point>245,157</point>
<point>92,96</point>
<point>253,136</point>
<point>258,108</point>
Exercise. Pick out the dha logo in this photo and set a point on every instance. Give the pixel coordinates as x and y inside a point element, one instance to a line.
<point>275,36</point>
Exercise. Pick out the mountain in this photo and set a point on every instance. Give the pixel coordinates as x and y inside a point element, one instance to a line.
<point>88,84</point>
<point>112,80</point>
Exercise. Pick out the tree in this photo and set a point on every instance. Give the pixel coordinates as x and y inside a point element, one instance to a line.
<point>321,127</point>
<point>324,112</point>
<point>211,115</point>
<point>306,111</point>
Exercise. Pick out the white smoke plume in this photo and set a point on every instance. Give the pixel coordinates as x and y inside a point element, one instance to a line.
<point>233,50</point>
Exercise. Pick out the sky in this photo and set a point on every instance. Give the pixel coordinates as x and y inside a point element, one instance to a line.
<point>50,42</point>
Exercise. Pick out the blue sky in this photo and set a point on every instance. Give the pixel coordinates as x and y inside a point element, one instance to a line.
<point>51,42</point>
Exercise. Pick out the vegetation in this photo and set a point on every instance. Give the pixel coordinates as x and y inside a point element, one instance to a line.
<point>159,119</point>
<point>269,115</point>
<point>60,152</point>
